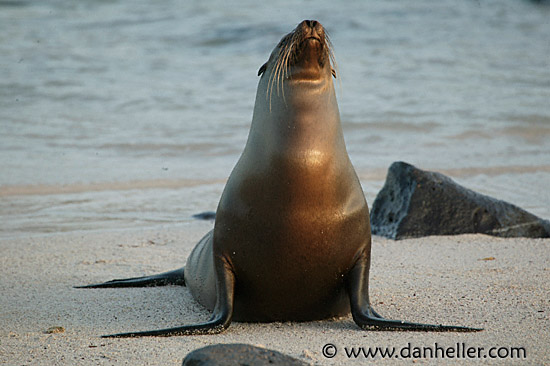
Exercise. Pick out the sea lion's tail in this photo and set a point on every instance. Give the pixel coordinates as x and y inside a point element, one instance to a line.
<point>175,277</point>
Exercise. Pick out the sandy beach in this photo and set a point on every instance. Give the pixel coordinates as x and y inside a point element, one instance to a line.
<point>474,280</point>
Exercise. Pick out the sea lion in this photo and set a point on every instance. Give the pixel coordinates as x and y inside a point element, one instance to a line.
<point>291,239</point>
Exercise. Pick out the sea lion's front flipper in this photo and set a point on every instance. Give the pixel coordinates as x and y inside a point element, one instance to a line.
<point>367,318</point>
<point>221,318</point>
<point>175,277</point>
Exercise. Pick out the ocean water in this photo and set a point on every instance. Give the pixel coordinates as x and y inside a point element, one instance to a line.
<point>121,114</point>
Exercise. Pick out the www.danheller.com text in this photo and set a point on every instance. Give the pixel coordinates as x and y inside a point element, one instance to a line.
<point>436,351</point>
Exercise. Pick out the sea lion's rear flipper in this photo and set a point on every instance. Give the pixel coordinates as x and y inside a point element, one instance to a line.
<point>221,318</point>
<point>367,318</point>
<point>175,277</point>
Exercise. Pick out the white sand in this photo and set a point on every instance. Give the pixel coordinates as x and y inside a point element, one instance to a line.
<point>436,279</point>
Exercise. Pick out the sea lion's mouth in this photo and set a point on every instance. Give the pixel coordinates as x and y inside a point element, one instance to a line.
<point>313,38</point>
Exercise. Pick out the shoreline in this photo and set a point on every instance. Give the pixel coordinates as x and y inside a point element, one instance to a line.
<point>55,189</point>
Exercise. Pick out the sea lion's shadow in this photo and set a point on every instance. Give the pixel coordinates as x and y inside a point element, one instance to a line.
<point>342,323</point>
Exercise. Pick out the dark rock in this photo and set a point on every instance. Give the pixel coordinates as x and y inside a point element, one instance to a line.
<point>206,215</point>
<point>415,203</point>
<point>238,354</point>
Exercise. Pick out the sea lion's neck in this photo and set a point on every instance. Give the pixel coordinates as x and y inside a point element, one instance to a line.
<point>302,115</point>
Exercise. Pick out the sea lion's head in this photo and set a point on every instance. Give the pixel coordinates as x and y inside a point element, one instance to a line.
<point>305,54</point>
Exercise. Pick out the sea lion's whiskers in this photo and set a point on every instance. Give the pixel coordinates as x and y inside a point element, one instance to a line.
<point>272,79</point>
<point>330,48</point>
<point>287,46</point>
<point>332,59</point>
<point>278,68</point>
<point>285,62</point>
<point>269,90</point>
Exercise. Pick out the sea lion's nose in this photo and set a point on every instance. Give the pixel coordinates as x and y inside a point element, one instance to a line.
<point>311,23</point>
<point>309,26</point>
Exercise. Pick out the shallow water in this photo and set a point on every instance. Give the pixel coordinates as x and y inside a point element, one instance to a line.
<point>121,114</point>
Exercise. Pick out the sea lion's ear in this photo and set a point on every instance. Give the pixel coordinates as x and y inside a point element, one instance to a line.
<point>333,72</point>
<point>262,69</point>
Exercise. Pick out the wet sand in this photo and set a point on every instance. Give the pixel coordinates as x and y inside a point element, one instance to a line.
<point>474,280</point>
